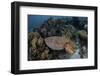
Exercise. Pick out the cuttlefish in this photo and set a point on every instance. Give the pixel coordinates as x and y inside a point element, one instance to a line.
<point>60,43</point>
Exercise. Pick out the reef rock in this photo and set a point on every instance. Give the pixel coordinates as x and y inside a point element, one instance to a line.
<point>82,34</point>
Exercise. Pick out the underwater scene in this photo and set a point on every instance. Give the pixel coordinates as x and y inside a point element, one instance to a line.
<point>57,37</point>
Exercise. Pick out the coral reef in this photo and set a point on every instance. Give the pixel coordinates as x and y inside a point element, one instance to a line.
<point>57,39</point>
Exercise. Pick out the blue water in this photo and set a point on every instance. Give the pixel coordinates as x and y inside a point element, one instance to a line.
<point>37,20</point>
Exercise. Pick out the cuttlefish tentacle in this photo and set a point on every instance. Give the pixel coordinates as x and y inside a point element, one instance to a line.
<point>69,47</point>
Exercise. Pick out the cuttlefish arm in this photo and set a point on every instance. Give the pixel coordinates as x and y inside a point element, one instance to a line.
<point>70,47</point>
